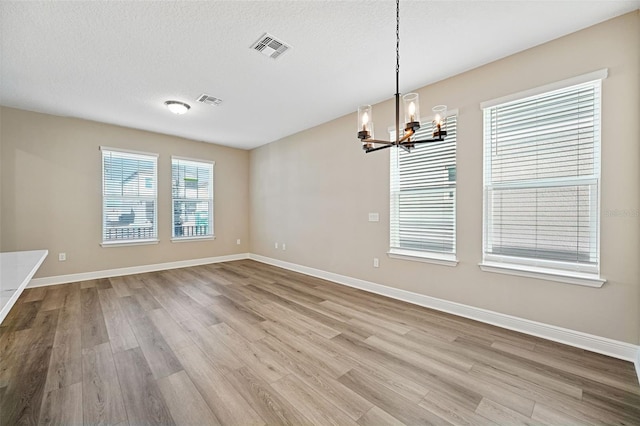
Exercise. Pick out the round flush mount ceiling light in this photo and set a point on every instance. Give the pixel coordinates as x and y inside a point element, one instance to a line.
<point>177,107</point>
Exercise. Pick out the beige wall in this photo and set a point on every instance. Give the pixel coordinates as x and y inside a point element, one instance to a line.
<point>313,191</point>
<point>50,193</point>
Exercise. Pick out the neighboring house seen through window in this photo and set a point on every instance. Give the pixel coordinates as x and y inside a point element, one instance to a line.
<point>192,192</point>
<point>129,196</point>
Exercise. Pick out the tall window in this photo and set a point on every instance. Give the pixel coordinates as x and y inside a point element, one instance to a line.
<point>541,180</point>
<point>192,189</point>
<point>129,196</point>
<point>423,197</point>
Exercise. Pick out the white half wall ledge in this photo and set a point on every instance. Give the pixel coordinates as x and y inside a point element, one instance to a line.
<point>84,276</point>
<point>16,270</point>
<point>637,364</point>
<point>602,345</point>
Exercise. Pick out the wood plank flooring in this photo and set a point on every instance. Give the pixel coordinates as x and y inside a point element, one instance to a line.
<point>243,343</point>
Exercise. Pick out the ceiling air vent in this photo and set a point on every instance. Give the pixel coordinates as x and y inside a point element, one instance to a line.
<point>269,46</point>
<point>210,100</point>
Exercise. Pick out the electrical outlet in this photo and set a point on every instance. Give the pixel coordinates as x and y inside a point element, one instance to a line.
<point>238,241</point>
<point>376,262</point>
<point>62,257</point>
<point>276,245</point>
<point>284,246</point>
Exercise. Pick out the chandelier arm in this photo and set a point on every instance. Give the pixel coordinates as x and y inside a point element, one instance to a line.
<point>438,139</point>
<point>379,142</point>
<point>378,148</point>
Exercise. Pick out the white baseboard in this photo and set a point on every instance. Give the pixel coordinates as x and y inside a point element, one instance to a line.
<point>63,279</point>
<point>602,345</point>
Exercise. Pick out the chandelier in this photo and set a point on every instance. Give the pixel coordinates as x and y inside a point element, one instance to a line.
<point>411,115</point>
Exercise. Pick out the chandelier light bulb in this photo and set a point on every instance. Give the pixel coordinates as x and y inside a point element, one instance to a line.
<point>439,120</point>
<point>412,111</point>
<point>365,121</point>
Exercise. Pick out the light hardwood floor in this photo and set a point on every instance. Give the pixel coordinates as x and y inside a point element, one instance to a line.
<point>244,343</point>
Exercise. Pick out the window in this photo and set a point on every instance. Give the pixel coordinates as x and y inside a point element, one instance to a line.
<point>423,198</point>
<point>129,197</point>
<point>192,189</point>
<point>541,181</point>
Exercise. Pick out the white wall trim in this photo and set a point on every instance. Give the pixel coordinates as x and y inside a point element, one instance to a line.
<point>602,345</point>
<point>636,362</point>
<point>572,81</point>
<point>83,276</point>
<point>425,257</point>
<point>568,277</point>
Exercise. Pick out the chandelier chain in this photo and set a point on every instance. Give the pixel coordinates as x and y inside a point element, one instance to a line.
<point>397,36</point>
<point>397,96</point>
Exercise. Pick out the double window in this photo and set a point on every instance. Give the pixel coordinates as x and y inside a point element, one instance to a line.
<point>129,196</point>
<point>541,181</point>
<point>423,198</point>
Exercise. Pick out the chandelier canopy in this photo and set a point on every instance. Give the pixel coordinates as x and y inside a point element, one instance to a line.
<point>411,103</point>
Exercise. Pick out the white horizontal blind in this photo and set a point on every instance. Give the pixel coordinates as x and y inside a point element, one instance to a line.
<point>541,179</point>
<point>423,194</point>
<point>192,192</point>
<point>129,196</point>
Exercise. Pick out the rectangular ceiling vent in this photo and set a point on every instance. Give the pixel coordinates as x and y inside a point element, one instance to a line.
<point>269,46</point>
<point>210,100</point>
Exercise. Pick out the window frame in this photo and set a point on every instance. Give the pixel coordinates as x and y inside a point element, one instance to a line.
<point>211,199</point>
<point>129,242</point>
<point>425,256</point>
<point>548,269</point>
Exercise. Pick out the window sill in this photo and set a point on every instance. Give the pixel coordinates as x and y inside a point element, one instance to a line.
<point>107,244</point>
<point>192,239</point>
<point>568,277</point>
<point>425,257</point>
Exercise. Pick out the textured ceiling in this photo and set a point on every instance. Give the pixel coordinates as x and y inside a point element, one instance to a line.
<point>117,62</point>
